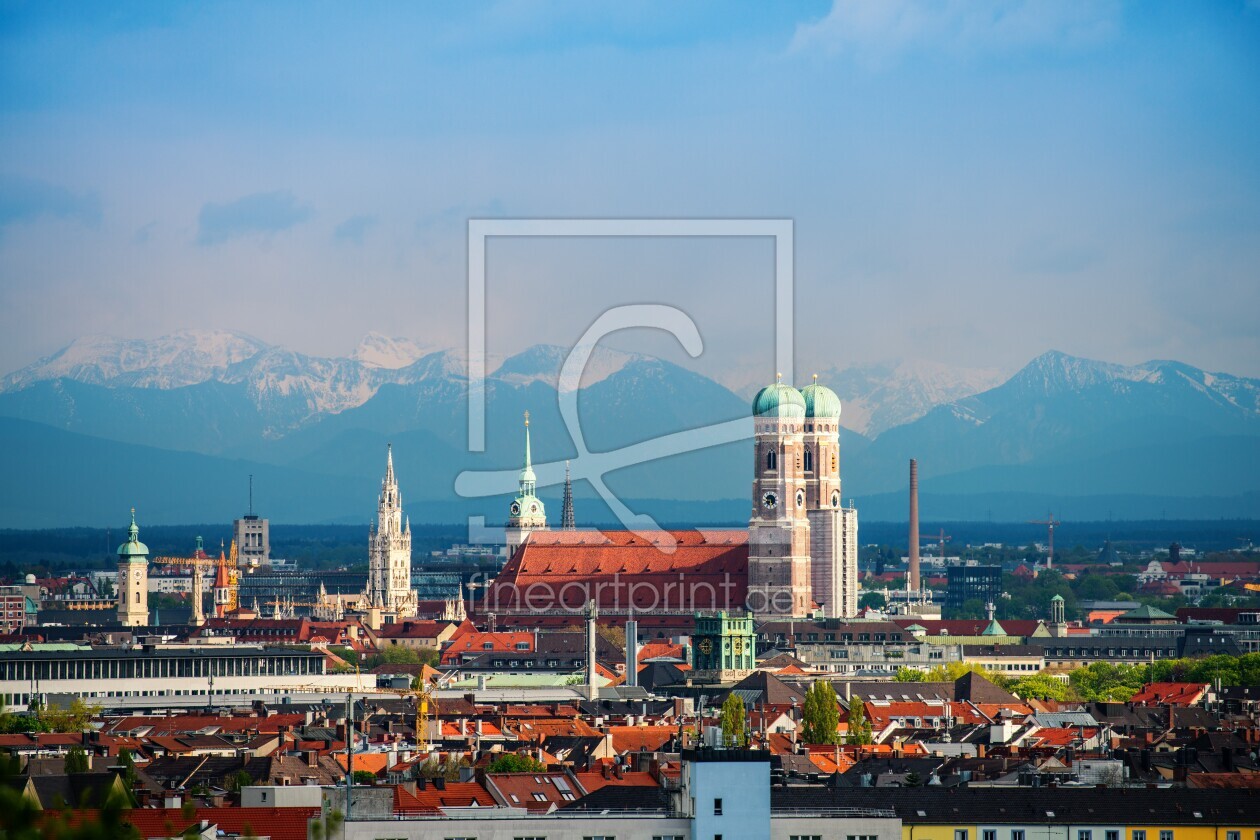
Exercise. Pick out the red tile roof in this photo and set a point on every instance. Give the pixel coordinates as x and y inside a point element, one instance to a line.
<point>534,791</point>
<point>620,569</point>
<point>640,738</point>
<point>594,780</point>
<point>1170,694</point>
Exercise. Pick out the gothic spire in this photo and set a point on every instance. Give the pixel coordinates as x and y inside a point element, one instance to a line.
<point>566,516</point>
<point>528,479</point>
<point>389,464</point>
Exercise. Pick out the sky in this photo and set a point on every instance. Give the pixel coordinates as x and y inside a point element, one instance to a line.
<point>971,183</point>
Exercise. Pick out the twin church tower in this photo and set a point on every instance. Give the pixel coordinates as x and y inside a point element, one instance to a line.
<point>802,543</point>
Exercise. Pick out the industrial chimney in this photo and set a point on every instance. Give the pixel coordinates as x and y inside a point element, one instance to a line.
<point>914,525</point>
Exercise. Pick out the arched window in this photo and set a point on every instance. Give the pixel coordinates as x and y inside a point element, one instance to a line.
<point>809,460</point>
<point>772,461</point>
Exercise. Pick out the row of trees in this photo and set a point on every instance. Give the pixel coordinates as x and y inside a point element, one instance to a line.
<point>74,718</point>
<point>1103,681</point>
<point>820,718</point>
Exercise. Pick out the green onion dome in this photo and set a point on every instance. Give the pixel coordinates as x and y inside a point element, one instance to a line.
<point>779,400</point>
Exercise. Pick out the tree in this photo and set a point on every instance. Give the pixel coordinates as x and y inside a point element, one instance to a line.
<point>873,600</point>
<point>240,779</point>
<point>912,780</point>
<point>821,714</point>
<point>129,767</point>
<point>951,671</point>
<point>859,725</point>
<point>905,674</point>
<point>515,763</point>
<point>1106,682</point>
<point>733,720</point>
<point>403,655</point>
<point>616,636</point>
<point>76,761</point>
<point>364,777</point>
<point>1041,687</point>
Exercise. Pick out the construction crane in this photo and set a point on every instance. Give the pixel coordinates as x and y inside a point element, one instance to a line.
<point>1051,523</point>
<point>940,539</point>
<point>424,697</point>
<point>199,562</point>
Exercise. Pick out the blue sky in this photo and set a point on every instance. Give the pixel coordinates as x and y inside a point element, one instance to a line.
<point>971,182</point>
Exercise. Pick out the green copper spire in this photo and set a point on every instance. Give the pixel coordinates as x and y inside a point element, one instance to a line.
<point>133,549</point>
<point>528,479</point>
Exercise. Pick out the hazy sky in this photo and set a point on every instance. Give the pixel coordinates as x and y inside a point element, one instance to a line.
<point>972,182</point>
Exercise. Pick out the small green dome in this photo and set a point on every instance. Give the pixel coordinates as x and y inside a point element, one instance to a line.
<point>821,401</point>
<point>779,400</point>
<point>1057,598</point>
<point>133,548</point>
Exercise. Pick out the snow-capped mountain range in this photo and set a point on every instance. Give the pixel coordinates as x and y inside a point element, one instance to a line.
<point>297,387</point>
<point>314,428</point>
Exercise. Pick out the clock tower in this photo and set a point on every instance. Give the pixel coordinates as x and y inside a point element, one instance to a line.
<point>724,647</point>
<point>526,513</point>
<point>133,579</point>
<point>778,531</point>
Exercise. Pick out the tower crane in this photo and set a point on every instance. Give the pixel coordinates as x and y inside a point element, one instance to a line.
<point>940,539</point>
<point>1051,523</point>
<point>200,561</point>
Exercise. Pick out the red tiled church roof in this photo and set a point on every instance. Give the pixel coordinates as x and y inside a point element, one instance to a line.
<point>623,570</point>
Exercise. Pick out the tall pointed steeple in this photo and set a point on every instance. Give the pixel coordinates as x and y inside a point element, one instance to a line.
<point>389,463</point>
<point>527,511</point>
<point>528,479</point>
<point>566,514</point>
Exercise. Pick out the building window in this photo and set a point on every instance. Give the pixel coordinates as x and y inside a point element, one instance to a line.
<point>771,460</point>
<point>1166,834</point>
<point>717,810</point>
<point>989,834</point>
<point>809,461</point>
<point>1233,835</point>
<point>1017,834</point>
<point>960,834</point>
<point>1084,834</point>
<point>1113,834</point>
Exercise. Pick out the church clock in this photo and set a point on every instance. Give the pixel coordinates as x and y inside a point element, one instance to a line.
<point>769,501</point>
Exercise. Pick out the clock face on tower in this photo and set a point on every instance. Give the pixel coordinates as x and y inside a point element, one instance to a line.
<point>533,508</point>
<point>769,501</point>
<point>706,646</point>
<point>516,509</point>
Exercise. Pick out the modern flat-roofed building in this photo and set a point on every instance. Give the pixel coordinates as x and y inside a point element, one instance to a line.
<point>99,673</point>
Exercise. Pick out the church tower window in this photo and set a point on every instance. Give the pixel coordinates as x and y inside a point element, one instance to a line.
<point>772,462</point>
<point>809,461</point>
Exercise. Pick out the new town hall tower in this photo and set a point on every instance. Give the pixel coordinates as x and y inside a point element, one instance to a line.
<point>802,544</point>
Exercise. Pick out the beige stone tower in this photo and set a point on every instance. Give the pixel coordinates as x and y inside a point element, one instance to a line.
<point>133,579</point>
<point>832,527</point>
<point>778,532</point>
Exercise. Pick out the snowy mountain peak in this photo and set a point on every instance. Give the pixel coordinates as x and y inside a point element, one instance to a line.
<point>382,351</point>
<point>543,363</point>
<point>882,395</point>
<point>171,361</point>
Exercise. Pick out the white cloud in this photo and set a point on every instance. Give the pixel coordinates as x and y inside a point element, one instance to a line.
<point>877,31</point>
